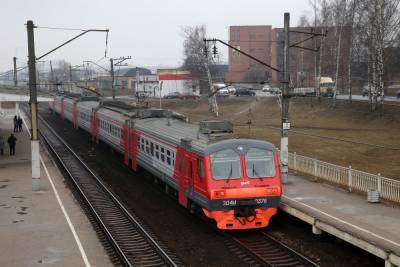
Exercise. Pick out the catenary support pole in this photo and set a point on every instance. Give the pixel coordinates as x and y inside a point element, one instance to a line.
<point>70,78</point>
<point>15,71</point>
<point>53,82</point>
<point>285,102</point>
<point>33,103</point>
<point>112,78</point>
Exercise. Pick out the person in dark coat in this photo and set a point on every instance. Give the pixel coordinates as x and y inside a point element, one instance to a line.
<point>11,143</point>
<point>1,145</point>
<point>19,122</point>
<point>15,124</point>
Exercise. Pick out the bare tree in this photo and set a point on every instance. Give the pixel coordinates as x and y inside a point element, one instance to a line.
<point>340,7</point>
<point>195,59</point>
<point>381,19</point>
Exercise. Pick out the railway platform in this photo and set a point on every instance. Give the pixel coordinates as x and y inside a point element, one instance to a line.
<point>45,227</point>
<point>374,227</point>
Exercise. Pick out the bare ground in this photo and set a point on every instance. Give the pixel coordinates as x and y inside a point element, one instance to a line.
<point>368,141</point>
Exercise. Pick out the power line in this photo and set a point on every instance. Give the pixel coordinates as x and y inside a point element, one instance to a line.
<point>57,28</point>
<point>327,137</point>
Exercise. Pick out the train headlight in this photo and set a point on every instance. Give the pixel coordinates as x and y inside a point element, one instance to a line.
<point>219,193</point>
<point>273,190</point>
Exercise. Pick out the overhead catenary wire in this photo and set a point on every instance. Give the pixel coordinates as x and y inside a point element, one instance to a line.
<point>327,137</point>
<point>60,28</point>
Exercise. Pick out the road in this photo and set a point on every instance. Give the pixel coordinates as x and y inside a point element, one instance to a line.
<point>366,98</point>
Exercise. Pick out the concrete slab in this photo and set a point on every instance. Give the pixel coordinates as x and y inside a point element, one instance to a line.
<point>33,228</point>
<point>337,210</point>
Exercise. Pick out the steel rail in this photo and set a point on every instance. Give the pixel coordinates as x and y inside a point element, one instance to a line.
<point>270,252</point>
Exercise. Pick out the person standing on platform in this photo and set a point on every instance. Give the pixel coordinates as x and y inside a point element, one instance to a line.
<point>11,143</point>
<point>15,124</point>
<point>19,122</point>
<point>1,145</point>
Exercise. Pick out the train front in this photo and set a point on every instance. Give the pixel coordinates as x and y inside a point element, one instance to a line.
<point>244,183</point>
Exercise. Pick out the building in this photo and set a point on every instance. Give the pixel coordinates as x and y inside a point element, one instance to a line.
<point>177,80</point>
<point>125,80</point>
<point>266,43</point>
<point>256,41</point>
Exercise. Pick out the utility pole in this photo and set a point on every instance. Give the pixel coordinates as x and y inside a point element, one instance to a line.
<point>160,87</point>
<point>52,77</point>
<point>70,78</point>
<point>15,72</point>
<point>285,126</point>
<point>118,63</point>
<point>33,104</point>
<point>112,78</point>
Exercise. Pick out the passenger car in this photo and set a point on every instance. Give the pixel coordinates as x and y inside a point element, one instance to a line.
<point>223,92</point>
<point>244,92</point>
<point>172,95</point>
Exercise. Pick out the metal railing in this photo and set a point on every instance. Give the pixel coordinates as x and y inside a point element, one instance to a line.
<point>346,176</point>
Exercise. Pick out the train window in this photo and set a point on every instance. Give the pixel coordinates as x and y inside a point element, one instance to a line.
<point>200,168</point>
<point>226,164</point>
<point>260,163</point>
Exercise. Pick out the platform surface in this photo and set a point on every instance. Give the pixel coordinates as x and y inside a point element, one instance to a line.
<point>33,228</point>
<point>376,223</point>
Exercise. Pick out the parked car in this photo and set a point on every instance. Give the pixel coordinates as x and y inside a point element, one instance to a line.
<point>244,92</point>
<point>266,88</point>
<point>172,95</point>
<point>365,91</point>
<point>142,94</point>
<point>188,96</point>
<point>223,92</point>
<point>231,90</point>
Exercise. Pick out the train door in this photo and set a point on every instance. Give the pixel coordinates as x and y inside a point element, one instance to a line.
<point>189,174</point>
<point>184,174</point>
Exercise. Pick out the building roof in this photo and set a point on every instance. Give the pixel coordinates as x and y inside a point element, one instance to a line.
<point>131,72</point>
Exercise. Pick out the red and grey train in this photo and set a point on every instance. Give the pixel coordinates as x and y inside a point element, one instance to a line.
<point>235,181</point>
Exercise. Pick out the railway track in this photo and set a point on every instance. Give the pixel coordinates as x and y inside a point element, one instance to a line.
<point>259,249</point>
<point>129,240</point>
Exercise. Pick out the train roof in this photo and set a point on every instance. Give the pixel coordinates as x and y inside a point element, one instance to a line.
<point>174,131</point>
<point>205,138</point>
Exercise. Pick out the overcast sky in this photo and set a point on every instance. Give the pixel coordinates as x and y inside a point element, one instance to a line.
<point>148,31</point>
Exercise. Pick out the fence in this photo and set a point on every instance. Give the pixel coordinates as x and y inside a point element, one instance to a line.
<point>352,179</point>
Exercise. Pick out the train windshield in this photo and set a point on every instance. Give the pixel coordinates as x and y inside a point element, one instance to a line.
<point>260,163</point>
<point>226,165</point>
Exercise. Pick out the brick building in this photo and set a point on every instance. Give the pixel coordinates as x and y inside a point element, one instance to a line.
<point>266,44</point>
<point>256,41</point>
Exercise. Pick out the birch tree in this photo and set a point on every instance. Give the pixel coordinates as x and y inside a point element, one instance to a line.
<point>382,28</point>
